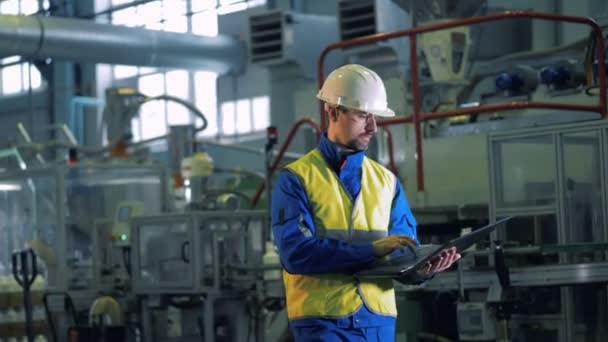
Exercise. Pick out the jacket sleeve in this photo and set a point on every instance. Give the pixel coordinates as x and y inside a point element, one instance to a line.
<point>402,220</point>
<point>404,223</point>
<point>294,235</point>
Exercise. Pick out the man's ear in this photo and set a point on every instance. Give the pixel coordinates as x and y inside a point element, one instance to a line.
<point>332,114</point>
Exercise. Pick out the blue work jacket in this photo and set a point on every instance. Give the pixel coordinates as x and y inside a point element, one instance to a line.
<point>302,253</point>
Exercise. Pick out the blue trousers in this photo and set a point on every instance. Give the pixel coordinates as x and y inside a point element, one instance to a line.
<point>332,333</point>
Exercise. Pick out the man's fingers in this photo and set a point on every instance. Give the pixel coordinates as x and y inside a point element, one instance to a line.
<point>391,243</point>
<point>406,241</point>
<point>449,260</point>
<point>427,269</point>
<point>450,256</point>
<point>410,240</point>
<point>442,261</point>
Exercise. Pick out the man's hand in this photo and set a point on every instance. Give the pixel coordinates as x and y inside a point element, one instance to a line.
<point>390,243</point>
<point>442,262</point>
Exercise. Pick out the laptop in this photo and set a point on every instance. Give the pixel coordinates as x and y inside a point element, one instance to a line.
<point>399,264</point>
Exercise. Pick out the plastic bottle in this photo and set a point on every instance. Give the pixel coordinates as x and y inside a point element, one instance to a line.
<point>202,164</point>
<point>271,257</point>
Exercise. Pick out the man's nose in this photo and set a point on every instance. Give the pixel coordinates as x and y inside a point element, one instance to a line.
<point>370,124</point>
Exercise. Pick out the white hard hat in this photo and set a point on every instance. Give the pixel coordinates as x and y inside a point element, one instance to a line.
<point>356,87</point>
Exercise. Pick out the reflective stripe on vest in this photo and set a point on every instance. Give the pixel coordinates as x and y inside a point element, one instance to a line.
<point>337,216</point>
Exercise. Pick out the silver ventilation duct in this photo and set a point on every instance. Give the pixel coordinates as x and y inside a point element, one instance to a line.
<point>86,41</point>
<point>360,18</point>
<point>284,37</point>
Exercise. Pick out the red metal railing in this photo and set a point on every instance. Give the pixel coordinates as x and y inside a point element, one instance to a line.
<point>417,117</point>
<point>277,159</point>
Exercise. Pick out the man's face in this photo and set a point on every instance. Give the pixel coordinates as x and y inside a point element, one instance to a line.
<point>351,128</point>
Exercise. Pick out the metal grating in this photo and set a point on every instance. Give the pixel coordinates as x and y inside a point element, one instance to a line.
<point>266,37</point>
<point>357,18</point>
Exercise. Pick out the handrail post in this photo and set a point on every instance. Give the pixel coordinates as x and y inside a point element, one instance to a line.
<point>391,149</point>
<point>601,69</point>
<point>416,114</point>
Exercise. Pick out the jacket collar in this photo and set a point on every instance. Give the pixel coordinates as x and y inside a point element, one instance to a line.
<point>337,158</point>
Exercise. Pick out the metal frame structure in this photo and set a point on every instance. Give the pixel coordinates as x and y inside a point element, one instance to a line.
<point>562,274</point>
<point>524,276</point>
<point>199,240</point>
<point>417,116</point>
<point>215,286</point>
<point>556,133</point>
<point>58,174</point>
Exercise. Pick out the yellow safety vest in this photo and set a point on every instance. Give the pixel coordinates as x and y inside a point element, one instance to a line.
<point>336,215</point>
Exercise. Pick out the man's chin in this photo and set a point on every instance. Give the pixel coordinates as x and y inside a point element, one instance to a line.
<point>357,146</point>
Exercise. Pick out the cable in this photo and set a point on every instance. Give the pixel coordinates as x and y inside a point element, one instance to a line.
<point>590,91</point>
<point>49,317</point>
<point>68,303</point>
<point>126,259</point>
<point>184,103</point>
<point>250,306</point>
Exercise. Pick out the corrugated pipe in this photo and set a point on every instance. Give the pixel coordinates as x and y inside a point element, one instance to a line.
<point>89,42</point>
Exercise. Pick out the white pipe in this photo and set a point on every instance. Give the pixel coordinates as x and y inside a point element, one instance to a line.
<point>86,41</point>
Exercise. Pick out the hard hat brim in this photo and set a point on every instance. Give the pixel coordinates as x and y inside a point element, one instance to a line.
<point>383,113</point>
<point>377,112</point>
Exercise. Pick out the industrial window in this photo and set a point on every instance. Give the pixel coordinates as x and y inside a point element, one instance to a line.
<point>18,75</point>
<point>245,115</point>
<point>206,100</point>
<point>198,17</point>
<point>155,116</point>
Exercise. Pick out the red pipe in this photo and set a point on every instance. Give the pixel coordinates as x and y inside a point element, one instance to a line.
<point>508,106</point>
<point>601,57</point>
<point>389,134</point>
<point>450,24</point>
<point>396,120</point>
<point>391,149</point>
<point>418,117</point>
<point>279,156</point>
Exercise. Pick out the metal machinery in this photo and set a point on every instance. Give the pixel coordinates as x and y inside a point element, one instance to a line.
<point>200,274</point>
<point>119,245</point>
<point>64,213</point>
<point>544,276</point>
<point>538,279</point>
<point>553,181</point>
<point>75,215</point>
<point>125,249</point>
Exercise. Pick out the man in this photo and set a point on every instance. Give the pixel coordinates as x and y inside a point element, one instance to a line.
<point>335,211</point>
